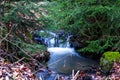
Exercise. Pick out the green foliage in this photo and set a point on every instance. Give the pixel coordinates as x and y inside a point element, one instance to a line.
<point>34,48</point>
<point>107,60</point>
<point>95,21</point>
<point>18,20</point>
<point>101,45</point>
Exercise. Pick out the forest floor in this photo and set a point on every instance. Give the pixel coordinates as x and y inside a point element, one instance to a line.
<point>18,71</point>
<point>15,71</point>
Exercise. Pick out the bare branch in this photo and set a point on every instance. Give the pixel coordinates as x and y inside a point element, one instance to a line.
<point>3,38</point>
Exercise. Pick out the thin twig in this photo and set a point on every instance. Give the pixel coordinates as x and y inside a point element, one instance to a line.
<point>24,51</point>
<point>3,38</point>
<point>75,77</point>
<point>73,73</point>
<point>20,60</point>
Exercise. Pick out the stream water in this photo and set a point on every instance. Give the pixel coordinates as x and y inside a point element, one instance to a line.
<point>64,59</point>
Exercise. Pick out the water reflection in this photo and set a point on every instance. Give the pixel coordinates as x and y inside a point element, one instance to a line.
<point>64,60</point>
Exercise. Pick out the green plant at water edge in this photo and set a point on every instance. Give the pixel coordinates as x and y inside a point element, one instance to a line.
<point>107,59</point>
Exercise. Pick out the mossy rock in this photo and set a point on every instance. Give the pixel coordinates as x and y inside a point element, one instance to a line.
<point>107,59</point>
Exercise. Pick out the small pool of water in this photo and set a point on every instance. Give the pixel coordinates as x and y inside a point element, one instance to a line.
<point>64,60</point>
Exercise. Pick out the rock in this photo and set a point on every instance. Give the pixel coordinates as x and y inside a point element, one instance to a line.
<point>107,60</point>
<point>75,42</point>
<point>76,45</point>
<point>38,39</point>
<point>44,57</point>
<point>86,77</point>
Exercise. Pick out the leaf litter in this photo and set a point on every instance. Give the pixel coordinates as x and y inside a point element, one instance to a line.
<point>15,71</point>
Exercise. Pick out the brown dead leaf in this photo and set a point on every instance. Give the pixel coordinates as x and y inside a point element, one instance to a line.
<point>16,70</point>
<point>15,74</point>
<point>2,78</point>
<point>21,67</point>
<point>0,72</point>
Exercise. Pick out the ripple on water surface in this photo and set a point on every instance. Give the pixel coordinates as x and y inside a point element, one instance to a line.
<point>64,60</point>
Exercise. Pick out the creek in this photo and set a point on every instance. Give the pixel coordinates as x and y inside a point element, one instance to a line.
<point>63,58</point>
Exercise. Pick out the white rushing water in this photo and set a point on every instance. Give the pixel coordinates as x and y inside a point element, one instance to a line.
<point>62,50</point>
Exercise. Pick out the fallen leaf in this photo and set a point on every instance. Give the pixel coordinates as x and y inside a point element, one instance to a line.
<point>0,72</point>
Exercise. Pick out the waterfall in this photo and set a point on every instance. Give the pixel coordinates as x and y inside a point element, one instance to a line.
<point>68,41</point>
<point>52,42</point>
<point>55,41</point>
<point>63,57</point>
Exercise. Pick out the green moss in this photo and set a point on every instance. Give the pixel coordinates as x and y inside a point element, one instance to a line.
<point>107,60</point>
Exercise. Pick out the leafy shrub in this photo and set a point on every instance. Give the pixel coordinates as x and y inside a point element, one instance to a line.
<point>97,22</point>
<point>107,60</point>
<point>18,20</point>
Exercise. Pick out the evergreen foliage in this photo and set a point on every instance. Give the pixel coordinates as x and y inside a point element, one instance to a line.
<point>97,22</point>
<point>18,21</point>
